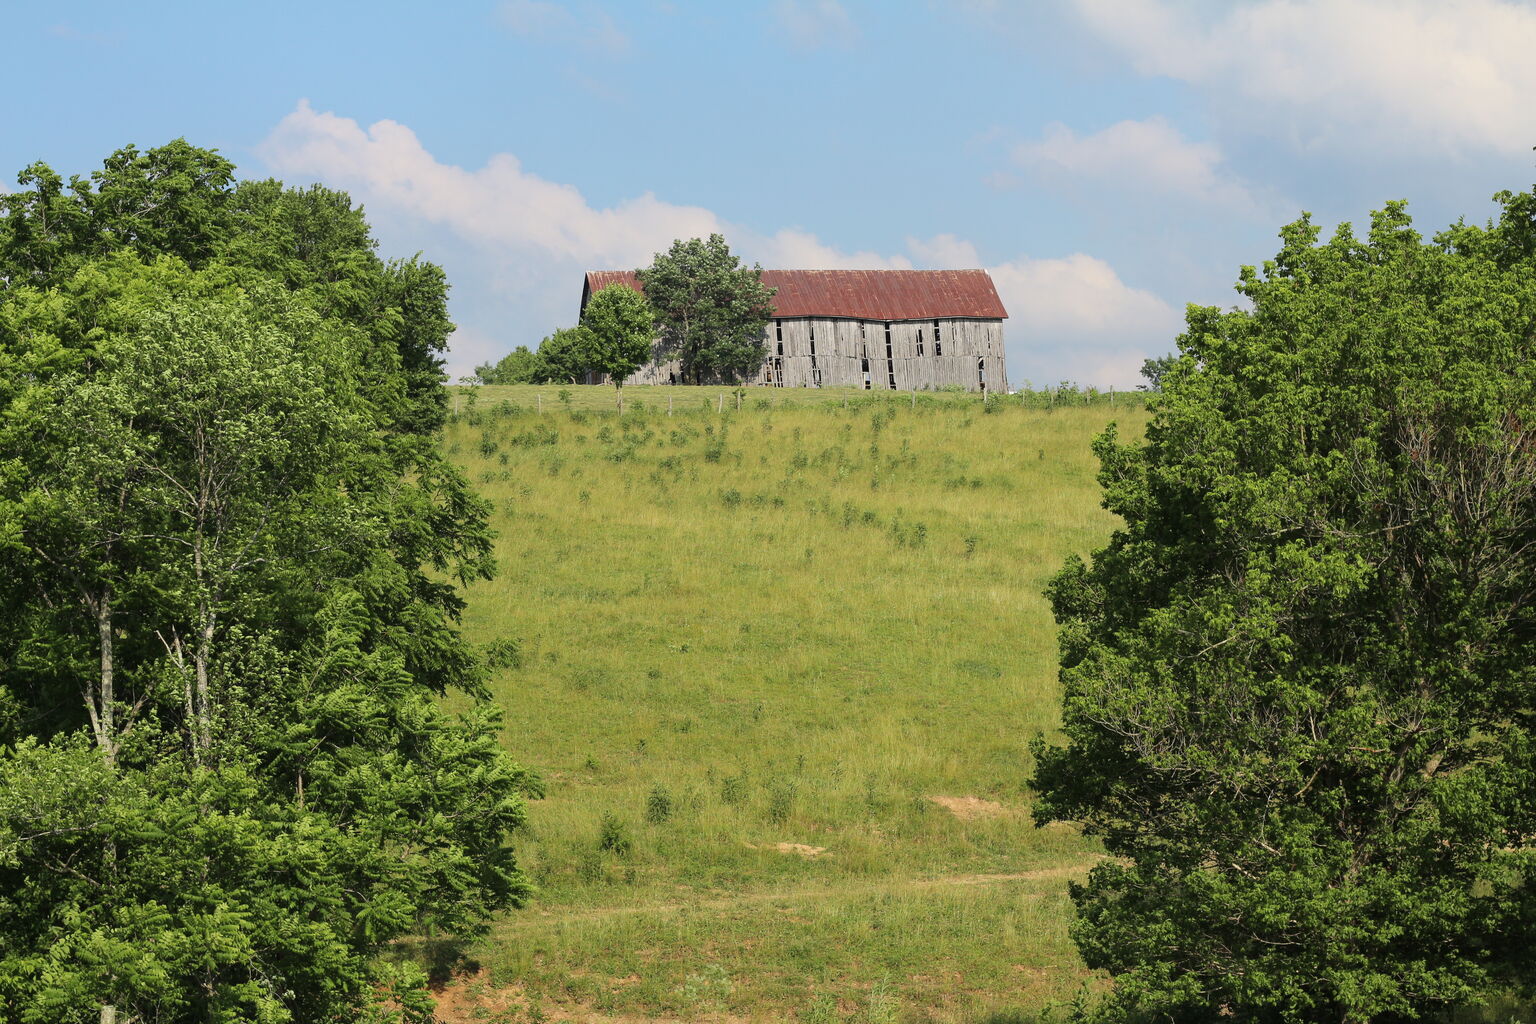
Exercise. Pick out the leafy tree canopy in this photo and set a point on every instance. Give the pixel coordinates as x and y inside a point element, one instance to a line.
<point>520,366</point>
<point>181,201</point>
<point>620,331</point>
<point>1154,370</point>
<point>229,559</point>
<point>565,356</point>
<point>712,311</point>
<point>1298,690</point>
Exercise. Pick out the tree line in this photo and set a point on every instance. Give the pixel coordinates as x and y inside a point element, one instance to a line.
<point>701,307</point>
<point>231,555</point>
<point>1299,693</point>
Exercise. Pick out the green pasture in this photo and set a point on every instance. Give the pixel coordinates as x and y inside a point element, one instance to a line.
<point>780,667</point>
<point>674,399</point>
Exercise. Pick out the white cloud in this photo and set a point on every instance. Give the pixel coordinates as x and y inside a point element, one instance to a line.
<point>517,244</point>
<point>1074,318</point>
<point>793,249</point>
<point>812,24</point>
<point>1389,74</point>
<point>944,252</point>
<point>1148,156</point>
<point>589,28</point>
<point>498,205</point>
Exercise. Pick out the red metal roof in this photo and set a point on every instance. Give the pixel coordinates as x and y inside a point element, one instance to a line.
<point>862,294</point>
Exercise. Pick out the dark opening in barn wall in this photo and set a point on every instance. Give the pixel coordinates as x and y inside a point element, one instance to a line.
<point>816,370</point>
<point>890,361</point>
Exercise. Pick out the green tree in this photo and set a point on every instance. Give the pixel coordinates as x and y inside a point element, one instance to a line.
<point>181,201</point>
<point>712,310</point>
<point>1297,681</point>
<point>230,554</point>
<point>563,356</point>
<point>1154,370</point>
<point>520,366</point>
<point>620,332</point>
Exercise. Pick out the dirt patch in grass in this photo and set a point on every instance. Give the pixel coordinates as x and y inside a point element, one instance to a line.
<point>808,852</point>
<point>472,997</point>
<point>970,808</point>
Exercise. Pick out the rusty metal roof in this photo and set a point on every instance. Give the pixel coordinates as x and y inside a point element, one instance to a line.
<point>862,294</point>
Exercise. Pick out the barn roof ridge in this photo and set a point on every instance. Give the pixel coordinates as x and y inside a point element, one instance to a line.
<point>862,294</point>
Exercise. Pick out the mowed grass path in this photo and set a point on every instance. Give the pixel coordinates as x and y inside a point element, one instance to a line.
<point>755,648</point>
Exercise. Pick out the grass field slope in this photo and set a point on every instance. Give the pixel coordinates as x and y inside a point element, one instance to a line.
<point>779,665</point>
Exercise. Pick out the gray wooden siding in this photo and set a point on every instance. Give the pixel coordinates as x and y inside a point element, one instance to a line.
<point>841,344</point>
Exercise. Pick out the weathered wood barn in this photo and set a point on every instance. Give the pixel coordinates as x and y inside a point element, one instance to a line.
<point>906,330</point>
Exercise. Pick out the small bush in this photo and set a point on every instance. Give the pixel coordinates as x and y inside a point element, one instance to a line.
<point>781,802</point>
<point>506,652</point>
<point>590,867</point>
<point>613,836</point>
<point>658,805</point>
<point>733,789</point>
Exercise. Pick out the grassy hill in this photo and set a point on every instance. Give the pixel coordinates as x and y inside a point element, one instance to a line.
<point>780,667</point>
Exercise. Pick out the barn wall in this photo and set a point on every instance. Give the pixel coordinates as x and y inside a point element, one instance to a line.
<point>830,352</point>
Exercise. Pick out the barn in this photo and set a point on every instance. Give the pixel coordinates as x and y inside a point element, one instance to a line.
<point>898,330</point>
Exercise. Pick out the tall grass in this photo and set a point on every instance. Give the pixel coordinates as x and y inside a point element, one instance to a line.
<point>795,623</point>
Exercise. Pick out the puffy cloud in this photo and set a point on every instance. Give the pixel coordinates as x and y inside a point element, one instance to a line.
<point>516,246</point>
<point>793,249</point>
<point>1149,156</point>
<point>498,205</point>
<point>944,252</point>
<point>1074,318</point>
<point>813,24</point>
<point>592,29</point>
<point>1391,74</point>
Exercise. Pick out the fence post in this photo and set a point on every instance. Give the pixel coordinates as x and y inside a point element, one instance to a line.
<point>669,405</point>
<point>541,402</point>
<point>722,402</point>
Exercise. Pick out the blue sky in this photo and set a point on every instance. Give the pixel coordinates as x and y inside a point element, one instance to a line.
<point>1108,161</point>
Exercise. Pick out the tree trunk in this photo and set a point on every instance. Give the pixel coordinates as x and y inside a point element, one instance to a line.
<point>203,728</point>
<point>100,706</point>
<point>104,718</point>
